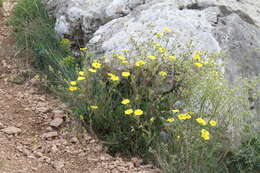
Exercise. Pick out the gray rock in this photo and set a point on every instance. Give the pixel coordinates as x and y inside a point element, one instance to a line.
<point>12,130</point>
<point>83,17</point>
<point>56,122</point>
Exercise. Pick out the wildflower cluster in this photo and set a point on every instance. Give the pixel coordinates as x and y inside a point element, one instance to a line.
<point>135,100</point>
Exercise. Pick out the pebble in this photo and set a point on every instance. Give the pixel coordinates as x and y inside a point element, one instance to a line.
<point>56,122</point>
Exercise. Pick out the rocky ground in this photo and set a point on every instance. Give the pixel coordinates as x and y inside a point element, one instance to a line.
<point>36,132</point>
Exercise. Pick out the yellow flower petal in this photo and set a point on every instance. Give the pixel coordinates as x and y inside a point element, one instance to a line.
<point>138,112</point>
<point>170,120</point>
<point>80,78</point>
<point>129,111</point>
<point>92,70</point>
<point>140,63</point>
<point>212,123</point>
<point>73,88</point>
<point>73,83</point>
<point>125,101</point>
<point>125,74</point>
<point>93,107</point>
<point>166,29</point>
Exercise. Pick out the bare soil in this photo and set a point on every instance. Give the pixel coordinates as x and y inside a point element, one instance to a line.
<point>28,142</point>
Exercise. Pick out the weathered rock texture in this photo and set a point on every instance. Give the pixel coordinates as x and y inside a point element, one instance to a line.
<point>231,26</point>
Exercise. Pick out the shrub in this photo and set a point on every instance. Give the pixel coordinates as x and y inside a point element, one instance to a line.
<point>139,97</point>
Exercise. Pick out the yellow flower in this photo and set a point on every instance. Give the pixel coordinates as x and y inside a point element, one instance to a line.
<point>110,74</point>
<point>157,45</point>
<point>92,70</point>
<point>83,48</point>
<point>212,123</point>
<point>125,74</point>
<point>65,41</point>
<point>73,88</point>
<point>73,82</point>
<point>163,73</point>
<point>205,134</point>
<point>113,77</point>
<point>205,137</point>
<point>175,110</point>
<point>121,58</point>
<point>158,34</point>
<point>129,111</point>
<point>162,50</point>
<point>96,65</point>
<point>125,101</point>
<point>93,107</point>
<point>125,50</point>
<point>138,112</point>
<point>197,56</point>
<point>170,120</point>
<point>166,29</point>
<point>124,62</point>
<point>205,62</point>
<point>152,119</point>
<point>152,57</point>
<point>172,57</point>
<point>81,117</point>
<point>184,116</point>
<point>81,73</point>
<point>201,121</point>
<point>197,64</point>
<point>178,137</point>
<point>140,63</point>
<point>81,78</point>
<point>36,77</point>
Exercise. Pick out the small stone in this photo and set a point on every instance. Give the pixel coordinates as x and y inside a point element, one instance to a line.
<point>56,122</point>
<point>12,130</point>
<point>58,165</point>
<point>49,135</point>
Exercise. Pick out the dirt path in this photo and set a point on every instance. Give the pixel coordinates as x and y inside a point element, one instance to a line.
<point>35,133</point>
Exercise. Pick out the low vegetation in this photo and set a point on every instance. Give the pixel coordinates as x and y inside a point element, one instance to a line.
<point>175,109</point>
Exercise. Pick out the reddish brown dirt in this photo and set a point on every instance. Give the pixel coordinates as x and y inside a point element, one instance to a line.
<point>27,107</point>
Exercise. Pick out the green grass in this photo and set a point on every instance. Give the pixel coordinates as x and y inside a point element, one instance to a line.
<point>1,3</point>
<point>34,31</point>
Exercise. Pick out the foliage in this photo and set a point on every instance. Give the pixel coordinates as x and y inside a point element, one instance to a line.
<point>34,30</point>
